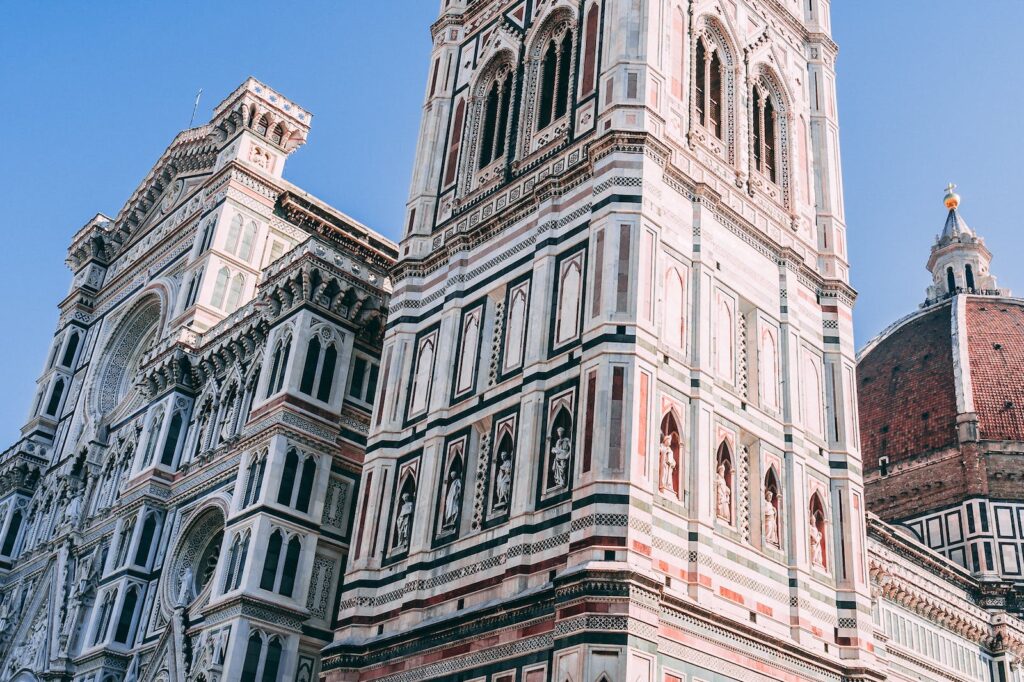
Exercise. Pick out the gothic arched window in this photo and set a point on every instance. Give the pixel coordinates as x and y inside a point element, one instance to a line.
<point>253,658</point>
<point>279,365</point>
<point>555,77</point>
<point>235,293</point>
<point>272,557</point>
<point>103,618</point>
<point>273,662</point>
<point>309,367</point>
<point>123,541</point>
<point>146,540</point>
<point>234,234</point>
<point>220,287</point>
<point>291,466</point>
<point>248,240</point>
<point>305,492</point>
<point>127,618</point>
<point>55,397</point>
<point>589,79</point>
<point>496,111</point>
<point>969,277</point>
<point>318,369</point>
<point>12,533</point>
<point>708,91</point>
<point>254,480</point>
<point>171,442</point>
<point>236,561</point>
<point>291,567</point>
<point>262,125</point>
<point>452,164</point>
<point>675,308</point>
<point>72,348</point>
<point>765,132</point>
<point>193,289</point>
<point>278,134</point>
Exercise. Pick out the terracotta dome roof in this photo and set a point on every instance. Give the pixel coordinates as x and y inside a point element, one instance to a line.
<point>913,384</point>
<point>906,387</point>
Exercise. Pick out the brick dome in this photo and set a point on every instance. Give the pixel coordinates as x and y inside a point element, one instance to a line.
<point>941,411</point>
<point>909,379</point>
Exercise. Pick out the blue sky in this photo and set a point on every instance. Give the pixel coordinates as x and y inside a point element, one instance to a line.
<point>95,91</point>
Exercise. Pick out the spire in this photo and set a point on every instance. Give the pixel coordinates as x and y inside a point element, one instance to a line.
<point>955,225</point>
<point>959,260</point>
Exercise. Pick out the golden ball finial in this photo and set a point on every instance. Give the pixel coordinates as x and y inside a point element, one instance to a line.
<point>952,199</point>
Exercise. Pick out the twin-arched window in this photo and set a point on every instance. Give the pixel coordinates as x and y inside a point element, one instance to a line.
<point>241,240</point>
<point>555,77</point>
<point>708,95</point>
<point>237,556</point>
<point>290,495</point>
<point>254,479</point>
<point>318,369</point>
<point>279,576</point>
<point>262,658</point>
<point>279,366</point>
<point>497,111</point>
<point>126,621</point>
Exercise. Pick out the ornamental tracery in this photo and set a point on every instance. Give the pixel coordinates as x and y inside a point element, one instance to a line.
<point>551,61</point>
<point>712,37</point>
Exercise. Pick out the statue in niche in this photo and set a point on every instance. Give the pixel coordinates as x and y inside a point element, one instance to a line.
<point>452,500</point>
<point>404,522</point>
<point>73,511</point>
<point>185,589</point>
<point>723,494</point>
<point>560,458</point>
<point>503,482</point>
<point>668,464</point>
<point>817,557</point>
<point>771,520</point>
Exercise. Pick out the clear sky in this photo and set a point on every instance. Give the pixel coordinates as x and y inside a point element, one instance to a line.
<point>95,91</point>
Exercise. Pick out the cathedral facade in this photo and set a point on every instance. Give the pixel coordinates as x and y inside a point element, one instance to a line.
<point>180,503</point>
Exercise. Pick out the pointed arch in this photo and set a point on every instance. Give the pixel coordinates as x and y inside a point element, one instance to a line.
<point>714,63</point>
<point>272,558</point>
<point>220,287</point>
<point>235,293</point>
<point>288,474</point>
<point>71,349</point>
<point>126,621</point>
<point>305,493</point>
<point>548,93</point>
<point>234,234</point>
<point>56,395</point>
<point>769,113</point>
<point>675,309</point>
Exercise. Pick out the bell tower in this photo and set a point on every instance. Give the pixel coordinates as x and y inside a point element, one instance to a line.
<point>615,436</point>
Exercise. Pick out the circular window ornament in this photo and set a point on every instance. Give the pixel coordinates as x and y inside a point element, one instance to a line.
<point>194,560</point>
